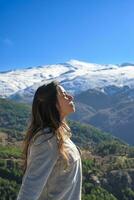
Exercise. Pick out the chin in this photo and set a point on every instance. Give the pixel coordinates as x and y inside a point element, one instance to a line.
<point>73,110</point>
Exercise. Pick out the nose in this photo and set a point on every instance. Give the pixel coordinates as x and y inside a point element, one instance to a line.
<point>70,97</point>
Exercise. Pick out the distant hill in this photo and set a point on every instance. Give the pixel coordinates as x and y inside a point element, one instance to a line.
<point>112,112</point>
<point>13,117</point>
<point>126,64</point>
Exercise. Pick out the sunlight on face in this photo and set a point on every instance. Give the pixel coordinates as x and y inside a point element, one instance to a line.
<point>65,101</point>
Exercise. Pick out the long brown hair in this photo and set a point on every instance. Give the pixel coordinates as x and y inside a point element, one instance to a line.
<point>45,114</point>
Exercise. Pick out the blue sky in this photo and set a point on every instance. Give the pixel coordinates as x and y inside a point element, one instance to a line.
<point>39,32</point>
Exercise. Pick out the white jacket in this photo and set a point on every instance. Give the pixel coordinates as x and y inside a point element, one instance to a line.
<point>45,177</point>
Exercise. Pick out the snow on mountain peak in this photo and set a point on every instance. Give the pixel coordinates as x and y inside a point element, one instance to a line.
<point>74,75</point>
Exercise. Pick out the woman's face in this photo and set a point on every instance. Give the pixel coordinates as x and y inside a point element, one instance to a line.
<point>65,100</point>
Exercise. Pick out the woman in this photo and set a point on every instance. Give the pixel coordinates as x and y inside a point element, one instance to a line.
<point>52,164</point>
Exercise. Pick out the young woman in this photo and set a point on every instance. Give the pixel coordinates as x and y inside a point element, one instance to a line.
<point>52,164</point>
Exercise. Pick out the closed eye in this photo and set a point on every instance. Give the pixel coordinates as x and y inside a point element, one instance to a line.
<point>65,94</point>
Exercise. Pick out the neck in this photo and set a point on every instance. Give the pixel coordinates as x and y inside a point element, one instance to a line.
<point>65,125</point>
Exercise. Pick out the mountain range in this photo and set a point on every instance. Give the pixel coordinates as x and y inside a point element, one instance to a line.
<point>74,75</point>
<point>104,94</point>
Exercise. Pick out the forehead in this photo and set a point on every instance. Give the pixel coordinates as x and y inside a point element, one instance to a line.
<point>61,89</point>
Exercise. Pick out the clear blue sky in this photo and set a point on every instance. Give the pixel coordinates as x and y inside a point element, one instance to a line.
<point>39,32</point>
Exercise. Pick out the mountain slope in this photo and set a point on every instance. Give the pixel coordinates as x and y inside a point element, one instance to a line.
<point>106,160</point>
<point>114,114</point>
<point>14,119</point>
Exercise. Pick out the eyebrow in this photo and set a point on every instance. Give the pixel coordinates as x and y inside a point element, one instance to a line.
<point>64,92</point>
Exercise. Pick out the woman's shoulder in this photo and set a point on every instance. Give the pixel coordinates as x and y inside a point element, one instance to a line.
<point>43,142</point>
<point>43,135</point>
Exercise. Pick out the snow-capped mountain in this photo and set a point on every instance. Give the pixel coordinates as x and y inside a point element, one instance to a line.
<point>74,75</point>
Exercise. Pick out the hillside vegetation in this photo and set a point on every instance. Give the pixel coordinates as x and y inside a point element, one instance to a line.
<point>107,162</point>
<point>13,117</point>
